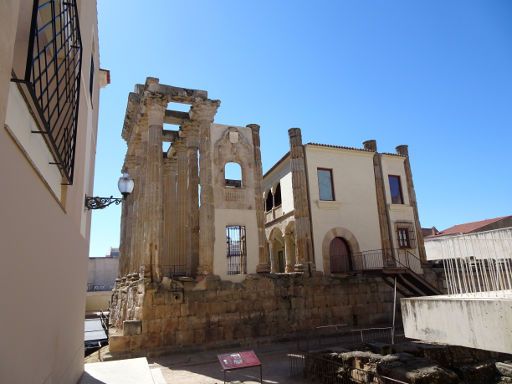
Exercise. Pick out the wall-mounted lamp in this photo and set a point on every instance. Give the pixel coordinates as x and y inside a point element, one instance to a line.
<point>125,185</point>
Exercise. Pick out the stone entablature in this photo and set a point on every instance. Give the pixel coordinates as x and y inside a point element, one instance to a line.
<point>167,228</point>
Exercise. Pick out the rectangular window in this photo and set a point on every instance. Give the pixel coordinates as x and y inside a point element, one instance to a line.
<point>395,188</point>
<point>236,250</point>
<point>325,185</point>
<point>403,238</point>
<point>406,235</point>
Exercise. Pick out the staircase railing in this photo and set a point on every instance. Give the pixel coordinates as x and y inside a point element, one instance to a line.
<point>368,260</point>
<point>378,259</point>
<point>407,259</point>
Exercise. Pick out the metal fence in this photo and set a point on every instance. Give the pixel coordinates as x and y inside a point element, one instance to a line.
<point>469,275</point>
<point>338,335</point>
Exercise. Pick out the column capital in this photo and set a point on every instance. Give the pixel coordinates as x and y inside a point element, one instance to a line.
<point>130,162</point>
<point>179,144</point>
<point>155,109</point>
<point>204,111</point>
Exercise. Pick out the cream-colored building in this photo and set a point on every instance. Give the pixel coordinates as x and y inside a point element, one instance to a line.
<point>49,99</point>
<point>359,209</point>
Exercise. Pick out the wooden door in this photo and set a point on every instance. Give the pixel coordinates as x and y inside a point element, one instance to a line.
<point>340,256</point>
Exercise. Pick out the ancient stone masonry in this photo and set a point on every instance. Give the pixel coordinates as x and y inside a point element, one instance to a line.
<point>194,264</point>
<point>215,312</point>
<point>304,249</point>
<point>160,231</point>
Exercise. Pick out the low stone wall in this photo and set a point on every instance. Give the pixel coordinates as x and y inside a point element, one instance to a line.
<point>174,314</point>
<point>410,362</point>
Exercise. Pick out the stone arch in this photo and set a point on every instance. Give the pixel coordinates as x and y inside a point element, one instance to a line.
<point>235,172</point>
<point>276,242</point>
<point>326,243</point>
<point>269,200</point>
<point>277,195</point>
<point>276,233</point>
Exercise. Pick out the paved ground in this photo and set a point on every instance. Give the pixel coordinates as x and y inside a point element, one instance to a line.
<point>204,368</point>
<point>194,368</point>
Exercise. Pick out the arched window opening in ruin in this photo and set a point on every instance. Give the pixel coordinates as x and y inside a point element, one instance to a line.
<point>233,175</point>
<point>269,201</point>
<point>340,256</point>
<point>277,196</point>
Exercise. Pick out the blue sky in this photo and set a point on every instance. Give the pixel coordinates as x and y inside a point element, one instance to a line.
<point>436,75</point>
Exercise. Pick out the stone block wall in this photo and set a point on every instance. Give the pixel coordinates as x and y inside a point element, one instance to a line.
<point>215,312</point>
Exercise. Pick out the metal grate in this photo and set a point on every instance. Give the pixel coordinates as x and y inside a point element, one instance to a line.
<point>52,77</point>
<point>236,251</point>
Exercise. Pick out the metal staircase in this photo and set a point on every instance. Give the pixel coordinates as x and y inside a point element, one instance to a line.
<point>399,264</point>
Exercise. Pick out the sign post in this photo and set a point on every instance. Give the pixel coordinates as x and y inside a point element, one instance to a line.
<point>239,360</point>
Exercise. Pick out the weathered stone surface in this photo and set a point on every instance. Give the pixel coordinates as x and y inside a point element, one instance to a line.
<point>132,327</point>
<point>261,306</point>
<point>480,373</point>
<point>505,368</point>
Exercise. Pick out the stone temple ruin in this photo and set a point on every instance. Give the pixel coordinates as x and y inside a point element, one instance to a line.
<point>194,265</point>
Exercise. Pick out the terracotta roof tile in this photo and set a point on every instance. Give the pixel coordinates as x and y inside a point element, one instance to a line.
<point>351,148</point>
<point>469,227</point>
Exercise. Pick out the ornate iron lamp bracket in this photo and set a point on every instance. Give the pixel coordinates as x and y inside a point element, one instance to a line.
<point>95,202</point>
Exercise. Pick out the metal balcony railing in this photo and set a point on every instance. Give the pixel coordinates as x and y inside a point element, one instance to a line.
<point>378,259</point>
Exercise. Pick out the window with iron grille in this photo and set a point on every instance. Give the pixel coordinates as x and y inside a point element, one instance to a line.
<point>52,77</point>
<point>406,236</point>
<point>236,250</point>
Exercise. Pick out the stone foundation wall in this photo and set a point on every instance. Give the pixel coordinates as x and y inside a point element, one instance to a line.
<point>214,312</point>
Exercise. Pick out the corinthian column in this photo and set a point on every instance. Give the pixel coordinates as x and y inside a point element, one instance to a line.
<point>139,179</point>
<point>125,250</point>
<point>304,246</point>
<point>171,208</point>
<point>153,188</point>
<point>203,113</point>
<point>183,235</point>
<point>192,133</point>
<point>259,204</point>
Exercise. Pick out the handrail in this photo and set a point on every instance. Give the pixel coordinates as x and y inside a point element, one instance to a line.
<point>381,259</point>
